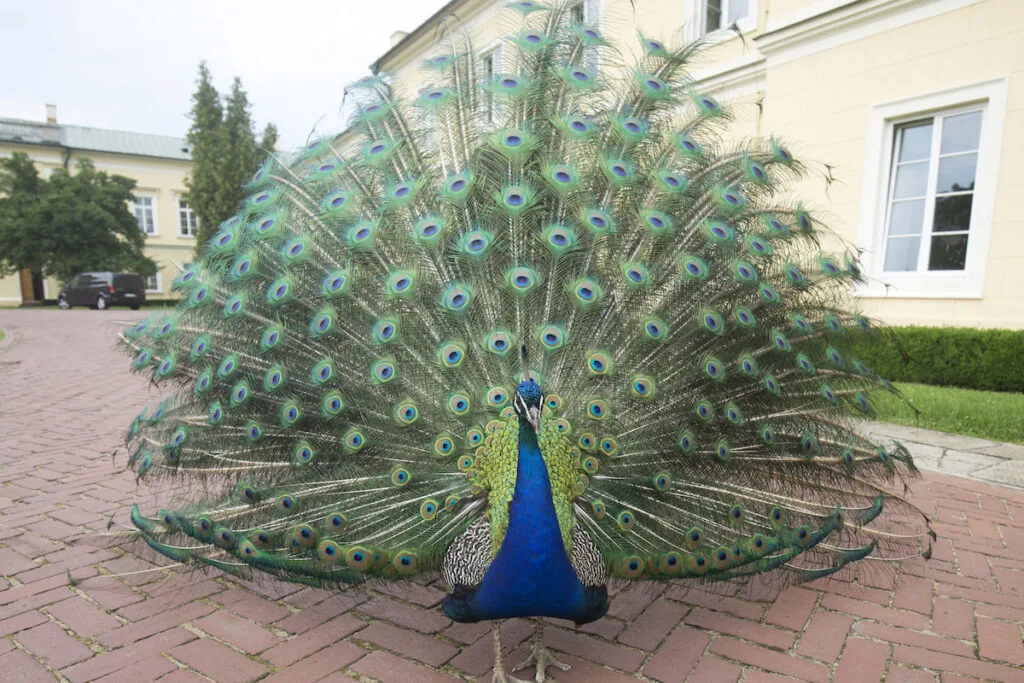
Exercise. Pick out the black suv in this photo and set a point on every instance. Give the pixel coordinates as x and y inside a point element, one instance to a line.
<point>103,290</point>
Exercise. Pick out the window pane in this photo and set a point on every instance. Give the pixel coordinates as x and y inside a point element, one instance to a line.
<point>738,9</point>
<point>712,15</point>
<point>907,218</point>
<point>961,133</point>
<point>911,180</point>
<point>949,252</point>
<point>956,174</point>
<point>901,253</point>
<point>577,14</point>
<point>916,142</point>
<point>953,213</point>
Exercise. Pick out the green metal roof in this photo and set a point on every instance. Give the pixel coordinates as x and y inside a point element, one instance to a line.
<point>83,138</point>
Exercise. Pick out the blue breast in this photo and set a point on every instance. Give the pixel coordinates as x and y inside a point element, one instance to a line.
<point>531,575</point>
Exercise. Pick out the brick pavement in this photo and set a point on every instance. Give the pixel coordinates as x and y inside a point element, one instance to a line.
<point>66,397</point>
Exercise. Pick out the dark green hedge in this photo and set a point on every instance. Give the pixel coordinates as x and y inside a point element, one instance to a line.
<point>991,360</point>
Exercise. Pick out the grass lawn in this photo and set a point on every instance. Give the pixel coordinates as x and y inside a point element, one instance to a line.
<point>987,414</point>
<point>1,335</point>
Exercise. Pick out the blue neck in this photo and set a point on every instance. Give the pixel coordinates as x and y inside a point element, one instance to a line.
<point>531,574</point>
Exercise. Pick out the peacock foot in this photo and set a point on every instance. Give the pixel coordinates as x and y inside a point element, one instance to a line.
<point>540,656</point>
<point>500,676</point>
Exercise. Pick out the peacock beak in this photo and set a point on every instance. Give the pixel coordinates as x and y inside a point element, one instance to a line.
<point>533,417</point>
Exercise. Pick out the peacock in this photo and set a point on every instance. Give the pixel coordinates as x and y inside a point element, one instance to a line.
<point>529,332</point>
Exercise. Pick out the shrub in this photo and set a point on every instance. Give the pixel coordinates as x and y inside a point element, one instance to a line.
<point>989,360</point>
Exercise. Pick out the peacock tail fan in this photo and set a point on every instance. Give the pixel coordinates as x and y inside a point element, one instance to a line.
<point>343,359</point>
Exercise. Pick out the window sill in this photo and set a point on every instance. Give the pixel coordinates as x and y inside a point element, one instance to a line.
<point>921,286</point>
<point>185,237</point>
<point>722,35</point>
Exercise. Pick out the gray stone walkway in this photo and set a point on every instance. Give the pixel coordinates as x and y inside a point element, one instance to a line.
<point>964,456</point>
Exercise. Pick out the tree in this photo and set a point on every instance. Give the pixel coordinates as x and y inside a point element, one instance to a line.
<point>268,141</point>
<point>203,139</point>
<point>71,223</point>
<point>224,153</point>
<point>20,188</point>
<point>238,143</point>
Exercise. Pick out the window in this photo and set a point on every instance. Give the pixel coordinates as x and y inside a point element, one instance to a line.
<point>931,192</point>
<point>577,13</point>
<point>489,65</point>
<point>188,222</point>
<point>145,215</point>
<point>153,284</point>
<point>719,14</point>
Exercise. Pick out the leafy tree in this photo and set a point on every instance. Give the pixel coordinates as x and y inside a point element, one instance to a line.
<point>268,141</point>
<point>224,152</point>
<point>20,188</point>
<point>70,223</point>
<point>238,143</point>
<point>203,139</point>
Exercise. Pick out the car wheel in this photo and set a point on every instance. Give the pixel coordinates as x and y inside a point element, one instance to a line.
<point>134,307</point>
<point>101,303</point>
<point>62,302</point>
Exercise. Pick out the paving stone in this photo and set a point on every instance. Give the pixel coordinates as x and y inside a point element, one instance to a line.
<point>143,629</point>
<point>904,674</point>
<point>894,634</point>
<point>250,606</point>
<point>748,630</point>
<point>388,668</point>
<point>862,660</point>
<point>588,647</point>
<point>409,616</point>
<point>298,647</point>
<point>653,624</point>
<point>1000,640</point>
<point>149,669</point>
<point>868,610</point>
<point>677,655</point>
<point>824,636</point>
<point>83,617</point>
<point>119,659</point>
<point>792,609</point>
<point>478,658</point>
<point>771,660</point>
<point>50,643</point>
<point>319,665</point>
<point>18,666</point>
<point>715,670</point>
<point>418,646</point>
<point>12,562</point>
<point>241,633</point>
<point>958,665</point>
<point>219,662</point>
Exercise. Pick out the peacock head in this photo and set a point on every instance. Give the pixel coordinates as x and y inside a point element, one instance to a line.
<point>527,403</point>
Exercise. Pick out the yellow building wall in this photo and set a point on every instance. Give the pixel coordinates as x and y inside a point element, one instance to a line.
<point>823,101</point>
<point>162,179</point>
<point>820,102</point>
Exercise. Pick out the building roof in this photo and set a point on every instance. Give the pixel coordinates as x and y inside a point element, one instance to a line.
<point>83,138</point>
<point>444,10</point>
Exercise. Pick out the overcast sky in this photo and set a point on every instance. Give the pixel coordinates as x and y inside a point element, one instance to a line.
<point>131,64</point>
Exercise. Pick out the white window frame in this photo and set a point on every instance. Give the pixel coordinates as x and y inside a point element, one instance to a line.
<point>698,14</point>
<point>883,121</point>
<point>156,225</point>
<point>159,282</point>
<point>489,100</point>
<point>178,201</point>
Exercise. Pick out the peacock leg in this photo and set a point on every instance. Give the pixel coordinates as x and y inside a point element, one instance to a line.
<point>540,655</point>
<point>499,659</point>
